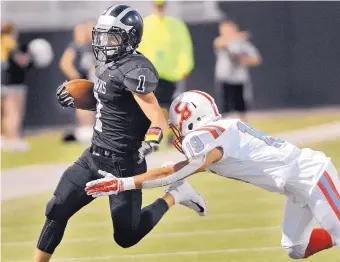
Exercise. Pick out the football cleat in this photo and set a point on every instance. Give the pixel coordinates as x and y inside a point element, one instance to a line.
<point>186,196</point>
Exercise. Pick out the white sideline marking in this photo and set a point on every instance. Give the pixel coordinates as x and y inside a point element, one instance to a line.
<point>173,219</point>
<point>173,254</point>
<point>161,235</point>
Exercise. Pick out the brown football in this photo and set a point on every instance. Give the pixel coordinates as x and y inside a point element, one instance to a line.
<point>82,92</point>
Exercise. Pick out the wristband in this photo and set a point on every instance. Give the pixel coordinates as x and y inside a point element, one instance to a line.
<point>127,183</point>
<point>154,134</point>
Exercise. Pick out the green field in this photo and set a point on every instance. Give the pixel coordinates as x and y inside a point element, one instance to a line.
<point>243,224</point>
<point>47,148</point>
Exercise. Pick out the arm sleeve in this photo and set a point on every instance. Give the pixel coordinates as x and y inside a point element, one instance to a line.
<point>141,80</point>
<point>184,172</point>
<point>195,146</point>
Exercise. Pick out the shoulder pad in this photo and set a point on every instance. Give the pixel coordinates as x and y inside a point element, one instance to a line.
<point>140,76</point>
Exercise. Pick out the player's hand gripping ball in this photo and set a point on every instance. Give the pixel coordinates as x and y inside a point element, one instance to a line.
<point>77,93</point>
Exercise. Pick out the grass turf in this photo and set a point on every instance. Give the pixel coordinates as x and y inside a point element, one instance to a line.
<point>242,220</point>
<point>47,148</point>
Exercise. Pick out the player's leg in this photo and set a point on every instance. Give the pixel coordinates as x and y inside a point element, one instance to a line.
<point>14,106</point>
<point>227,98</point>
<point>131,223</point>
<point>325,206</point>
<point>68,198</point>
<point>297,226</point>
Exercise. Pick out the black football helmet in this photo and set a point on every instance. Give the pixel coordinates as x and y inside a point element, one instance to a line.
<point>118,32</point>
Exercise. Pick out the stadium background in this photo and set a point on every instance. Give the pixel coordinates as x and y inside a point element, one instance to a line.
<point>296,90</point>
<point>299,43</point>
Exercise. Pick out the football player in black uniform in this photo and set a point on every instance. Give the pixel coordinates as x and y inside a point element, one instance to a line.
<point>127,114</point>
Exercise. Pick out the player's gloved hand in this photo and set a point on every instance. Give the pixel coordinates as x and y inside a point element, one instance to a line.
<point>109,185</point>
<point>106,186</point>
<point>151,142</point>
<point>64,98</point>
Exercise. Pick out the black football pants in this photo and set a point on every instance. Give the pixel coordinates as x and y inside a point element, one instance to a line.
<point>130,222</point>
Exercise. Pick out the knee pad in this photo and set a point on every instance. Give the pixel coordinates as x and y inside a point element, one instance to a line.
<point>51,235</point>
<point>56,210</point>
<point>295,252</point>
<point>53,211</point>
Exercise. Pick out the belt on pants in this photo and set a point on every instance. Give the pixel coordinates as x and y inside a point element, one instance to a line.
<point>100,151</point>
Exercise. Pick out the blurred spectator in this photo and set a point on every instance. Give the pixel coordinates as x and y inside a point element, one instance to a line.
<point>167,44</point>
<point>14,63</point>
<point>235,54</point>
<point>78,62</point>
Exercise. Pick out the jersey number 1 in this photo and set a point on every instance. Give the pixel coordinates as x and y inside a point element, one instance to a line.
<point>141,87</point>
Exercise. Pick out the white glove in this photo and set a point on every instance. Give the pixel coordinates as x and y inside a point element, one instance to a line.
<point>106,186</point>
<point>109,185</point>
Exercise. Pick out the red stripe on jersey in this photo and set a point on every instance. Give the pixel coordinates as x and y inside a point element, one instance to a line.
<point>330,181</point>
<point>207,97</point>
<point>212,131</point>
<point>218,127</point>
<point>329,199</point>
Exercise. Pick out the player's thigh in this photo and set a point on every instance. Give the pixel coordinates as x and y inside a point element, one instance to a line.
<point>325,202</point>
<point>126,209</point>
<point>69,195</point>
<point>126,206</point>
<point>297,226</point>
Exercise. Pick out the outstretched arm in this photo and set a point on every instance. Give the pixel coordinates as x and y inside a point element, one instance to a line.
<point>165,176</point>
<point>154,178</point>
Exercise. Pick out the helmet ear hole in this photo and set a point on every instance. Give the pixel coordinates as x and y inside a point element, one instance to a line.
<point>190,126</point>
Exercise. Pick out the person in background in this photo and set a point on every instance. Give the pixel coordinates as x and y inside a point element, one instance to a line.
<point>167,44</point>
<point>77,63</point>
<point>235,54</point>
<point>91,73</point>
<point>14,63</point>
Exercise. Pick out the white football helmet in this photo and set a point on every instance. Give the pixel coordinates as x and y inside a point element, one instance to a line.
<point>190,111</point>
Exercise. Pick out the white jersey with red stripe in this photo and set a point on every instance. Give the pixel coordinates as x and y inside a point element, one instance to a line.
<point>254,157</point>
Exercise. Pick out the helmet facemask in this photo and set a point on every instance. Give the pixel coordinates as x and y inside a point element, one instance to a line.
<point>109,45</point>
<point>184,112</point>
<point>177,142</point>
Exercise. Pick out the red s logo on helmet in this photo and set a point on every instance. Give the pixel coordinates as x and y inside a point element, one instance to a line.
<point>184,111</point>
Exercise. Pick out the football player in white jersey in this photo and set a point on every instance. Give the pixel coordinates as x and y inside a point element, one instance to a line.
<point>233,149</point>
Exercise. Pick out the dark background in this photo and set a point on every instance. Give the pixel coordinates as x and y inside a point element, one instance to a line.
<point>299,43</point>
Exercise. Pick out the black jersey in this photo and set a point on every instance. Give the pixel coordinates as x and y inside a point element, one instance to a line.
<point>120,123</point>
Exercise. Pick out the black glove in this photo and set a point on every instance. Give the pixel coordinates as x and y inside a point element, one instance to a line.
<point>151,143</point>
<point>64,98</point>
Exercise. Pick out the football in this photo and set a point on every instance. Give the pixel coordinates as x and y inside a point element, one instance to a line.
<point>82,92</point>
